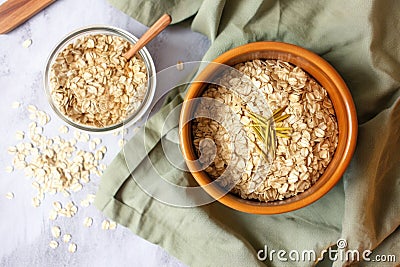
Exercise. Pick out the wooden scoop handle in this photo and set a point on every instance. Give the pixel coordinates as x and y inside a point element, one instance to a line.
<point>149,35</point>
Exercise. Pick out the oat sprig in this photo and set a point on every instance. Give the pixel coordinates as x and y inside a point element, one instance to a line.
<point>264,129</point>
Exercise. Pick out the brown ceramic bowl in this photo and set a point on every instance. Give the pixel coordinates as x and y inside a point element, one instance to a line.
<point>342,101</point>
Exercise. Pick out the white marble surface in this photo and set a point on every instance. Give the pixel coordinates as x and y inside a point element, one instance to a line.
<point>25,230</point>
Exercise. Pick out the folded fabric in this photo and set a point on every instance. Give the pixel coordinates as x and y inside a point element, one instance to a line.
<point>360,39</point>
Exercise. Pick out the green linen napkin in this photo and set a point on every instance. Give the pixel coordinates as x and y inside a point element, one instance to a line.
<point>360,39</point>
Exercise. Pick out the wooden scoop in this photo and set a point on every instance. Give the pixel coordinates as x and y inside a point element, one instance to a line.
<point>149,35</point>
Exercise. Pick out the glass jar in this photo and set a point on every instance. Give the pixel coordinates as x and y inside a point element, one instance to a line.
<point>132,117</point>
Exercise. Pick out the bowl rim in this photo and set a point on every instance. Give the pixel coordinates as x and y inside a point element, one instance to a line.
<point>98,29</point>
<point>350,133</point>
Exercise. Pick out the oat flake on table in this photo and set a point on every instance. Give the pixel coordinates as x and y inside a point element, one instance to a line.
<point>55,165</point>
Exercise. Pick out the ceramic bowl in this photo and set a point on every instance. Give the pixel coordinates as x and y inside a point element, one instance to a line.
<point>325,75</point>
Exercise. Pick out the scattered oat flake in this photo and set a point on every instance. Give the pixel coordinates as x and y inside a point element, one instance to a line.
<point>19,135</point>
<point>10,195</point>
<point>97,141</point>
<point>63,129</point>
<point>53,215</point>
<point>98,155</point>
<point>84,137</point>
<point>73,141</point>
<point>56,231</point>
<point>27,43</point>
<point>12,150</point>
<point>77,135</point>
<point>121,142</point>
<point>36,202</point>
<point>113,225</point>
<point>53,244</point>
<point>105,225</point>
<point>103,167</point>
<point>72,247</point>
<point>92,145</point>
<point>179,65</point>
<point>103,149</point>
<point>57,205</point>
<point>32,109</point>
<point>9,169</point>
<point>91,197</point>
<point>15,104</point>
<point>85,203</point>
<point>20,147</point>
<point>76,187</point>
<point>43,117</point>
<point>88,222</point>
<point>32,125</point>
<point>38,130</point>
<point>32,116</point>
<point>69,211</point>
<point>55,164</point>
<point>66,238</point>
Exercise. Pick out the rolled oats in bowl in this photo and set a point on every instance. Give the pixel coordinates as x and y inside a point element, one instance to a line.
<point>91,86</point>
<point>300,155</point>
